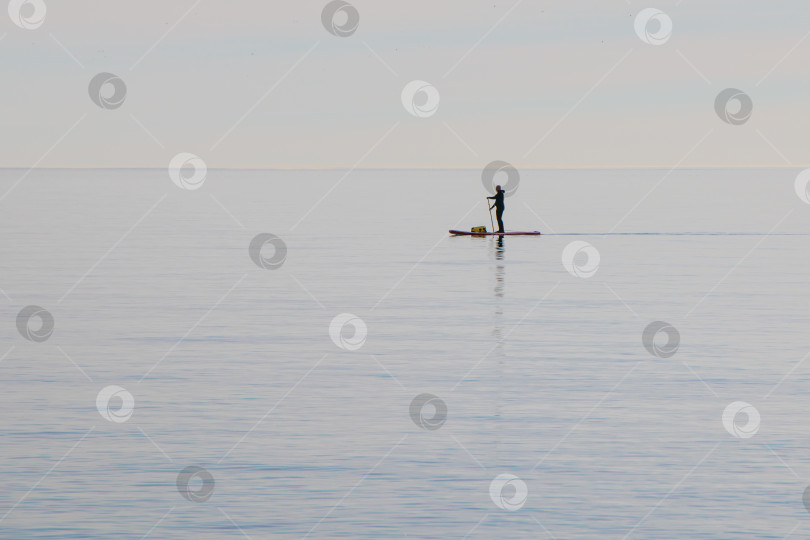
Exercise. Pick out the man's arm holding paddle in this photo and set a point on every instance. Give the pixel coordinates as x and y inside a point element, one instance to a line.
<point>495,199</point>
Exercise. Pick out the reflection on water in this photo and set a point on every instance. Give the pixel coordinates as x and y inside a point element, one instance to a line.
<point>500,284</point>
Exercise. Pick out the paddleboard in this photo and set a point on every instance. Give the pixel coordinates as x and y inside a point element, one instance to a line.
<point>509,233</point>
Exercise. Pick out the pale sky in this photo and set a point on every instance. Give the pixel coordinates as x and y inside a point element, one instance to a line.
<point>258,84</point>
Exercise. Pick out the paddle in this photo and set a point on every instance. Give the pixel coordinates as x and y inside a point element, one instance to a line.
<point>490,216</point>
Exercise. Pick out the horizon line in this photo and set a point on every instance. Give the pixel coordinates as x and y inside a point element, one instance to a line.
<point>331,168</point>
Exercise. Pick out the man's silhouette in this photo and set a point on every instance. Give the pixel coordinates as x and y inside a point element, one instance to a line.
<point>498,205</point>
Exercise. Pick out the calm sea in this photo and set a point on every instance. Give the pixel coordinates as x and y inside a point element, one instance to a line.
<point>365,375</point>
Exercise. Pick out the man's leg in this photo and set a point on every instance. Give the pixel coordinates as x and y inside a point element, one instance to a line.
<point>499,215</point>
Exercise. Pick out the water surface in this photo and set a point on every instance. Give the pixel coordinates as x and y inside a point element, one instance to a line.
<point>543,373</point>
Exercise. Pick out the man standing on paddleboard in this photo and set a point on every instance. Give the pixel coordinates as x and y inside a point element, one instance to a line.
<point>498,205</point>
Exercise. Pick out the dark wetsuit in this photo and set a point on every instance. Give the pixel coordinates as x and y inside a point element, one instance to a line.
<point>499,206</point>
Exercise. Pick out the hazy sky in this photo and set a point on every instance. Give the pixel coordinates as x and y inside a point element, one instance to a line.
<point>253,83</point>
